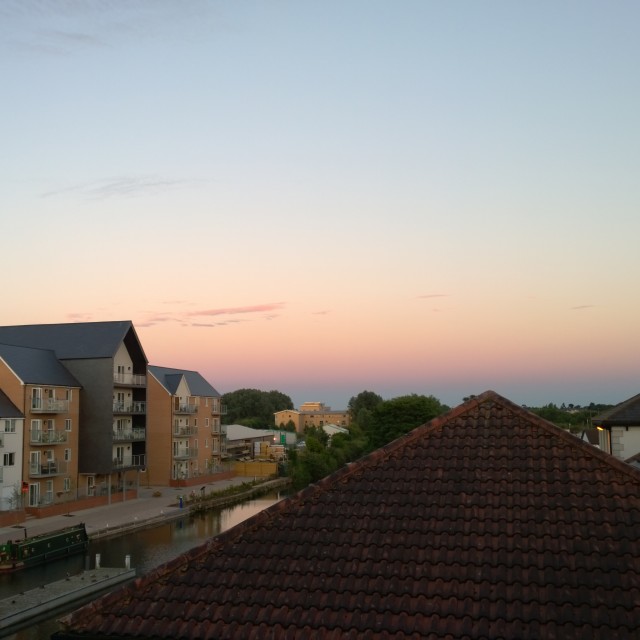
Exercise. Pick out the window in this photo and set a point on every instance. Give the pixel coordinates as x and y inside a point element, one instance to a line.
<point>9,459</point>
<point>206,422</point>
<point>206,443</point>
<point>67,484</point>
<point>10,426</point>
<point>69,395</point>
<point>67,455</point>
<point>67,424</point>
<point>195,422</point>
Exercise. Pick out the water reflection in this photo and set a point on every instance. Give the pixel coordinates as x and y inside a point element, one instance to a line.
<point>147,549</point>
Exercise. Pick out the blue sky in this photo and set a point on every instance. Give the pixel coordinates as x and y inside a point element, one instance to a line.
<point>326,197</point>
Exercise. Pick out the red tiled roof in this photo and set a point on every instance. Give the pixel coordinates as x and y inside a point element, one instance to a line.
<point>487,522</point>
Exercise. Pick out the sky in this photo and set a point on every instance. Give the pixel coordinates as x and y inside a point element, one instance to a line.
<point>329,197</point>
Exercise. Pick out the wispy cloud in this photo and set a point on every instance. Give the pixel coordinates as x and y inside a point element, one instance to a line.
<point>324,312</point>
<point>223,315</point>
<point>123,187</point>
<point>434,295</point>
<point>583,306</point>
<point>232,311</point>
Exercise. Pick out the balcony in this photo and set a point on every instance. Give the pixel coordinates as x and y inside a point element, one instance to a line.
<point>129,408</point>
<point>49,405</point>
<point>129,435</point>
<point>129,462</point>
<point>49,436</point>
<point>185,453</point>
<point>218,409</point>
<point>48,469</point>
<point>129,380</point>
<point>219,430</point>
<point>184,432</point>
<point>182,407</point>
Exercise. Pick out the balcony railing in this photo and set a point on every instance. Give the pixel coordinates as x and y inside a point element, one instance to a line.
<point>219,430</point>
<point>49,405</point>
<point>130,407</point>
<point>129,435</point>
<point>129,379</point>
<point>184,432</point>
<point>219,409</point>
<point>129,461</point>
<point>49,468</point>
<point>184,407</point>
<point>185,453</point>
<point>48,436</point>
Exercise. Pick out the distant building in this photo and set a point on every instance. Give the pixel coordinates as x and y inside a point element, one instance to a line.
<point>311,414</point>
<point>619,429</point>
<point>11,454</point>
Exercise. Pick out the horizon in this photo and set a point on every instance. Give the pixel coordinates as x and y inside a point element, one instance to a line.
<point>431,198</point>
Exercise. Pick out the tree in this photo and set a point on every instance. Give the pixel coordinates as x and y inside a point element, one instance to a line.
<point>393,418</point>
<point>365,400</point>
<point>254,408</point>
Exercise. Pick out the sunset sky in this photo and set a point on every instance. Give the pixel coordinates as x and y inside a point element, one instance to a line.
<point>335,196</point>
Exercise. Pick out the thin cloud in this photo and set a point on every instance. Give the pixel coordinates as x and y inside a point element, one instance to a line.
<point>434,295</point>
<point>232,311</point>
<point>128,186</point>
<point>583,306</point>
<point>320,313</point>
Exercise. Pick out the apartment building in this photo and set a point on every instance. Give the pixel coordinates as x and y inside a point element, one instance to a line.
<point>311,414</point>
<point>46,395</point>
<point>11,455</point>
<point>107,361</point>
<point>186,441</point>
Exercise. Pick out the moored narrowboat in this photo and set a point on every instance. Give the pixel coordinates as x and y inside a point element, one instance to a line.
<point>18,554</point>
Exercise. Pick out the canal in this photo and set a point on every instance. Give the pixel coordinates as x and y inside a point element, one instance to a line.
<point>147,548</point>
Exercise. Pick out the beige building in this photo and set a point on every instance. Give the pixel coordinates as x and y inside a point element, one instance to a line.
<point>185,439</point>
<point>311,414</point>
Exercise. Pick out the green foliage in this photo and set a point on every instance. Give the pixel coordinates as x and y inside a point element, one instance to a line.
<point>393,418</point>
<point>254,408</point>
<point>365,401</point>
<point>379,422</point>
<point>571,417</point>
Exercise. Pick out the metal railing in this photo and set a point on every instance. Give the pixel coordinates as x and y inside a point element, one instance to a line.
<point>48,436</point>
<point>49,405</point>
<point>130,407</point>
<point>185,453</point>
<point>49,468</point>
<point>129,379</point>
<point>183,432</point>
<point>129,461</point>
<point>129,434</point>
<point>183,407</point>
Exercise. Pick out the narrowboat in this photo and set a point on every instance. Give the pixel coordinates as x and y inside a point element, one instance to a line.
<point>19,554</point>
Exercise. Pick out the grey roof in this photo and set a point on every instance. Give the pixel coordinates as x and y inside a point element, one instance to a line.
<point>626,413</point>
<point>37,366</point>
<point>170,379</point>
<point>75,340</point>
<point>7,408</point>
<point>240,432</point>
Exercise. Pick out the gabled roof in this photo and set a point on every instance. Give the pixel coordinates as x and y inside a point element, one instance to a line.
<point>170,379</point>
<point>7,408</point>
<point>626,413</point>
<point>75,340</point>
<point>37,366</point>
<point>487,522</point>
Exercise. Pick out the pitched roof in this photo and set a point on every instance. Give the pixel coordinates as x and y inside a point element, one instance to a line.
<point>37,366</point>
<point>624,414</point>
<point>170,379</point>
<point>486,522</point>
<point>75,340</point>
<point>7,408</point>
<point>240,432</point>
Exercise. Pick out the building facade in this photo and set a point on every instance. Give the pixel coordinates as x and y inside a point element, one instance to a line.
<point>186,440</point>
<point>311,414</point>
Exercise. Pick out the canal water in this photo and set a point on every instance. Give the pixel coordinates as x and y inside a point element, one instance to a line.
<point>147,548</point>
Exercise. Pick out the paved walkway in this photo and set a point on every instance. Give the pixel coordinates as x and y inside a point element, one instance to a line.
<point>99,520</point>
